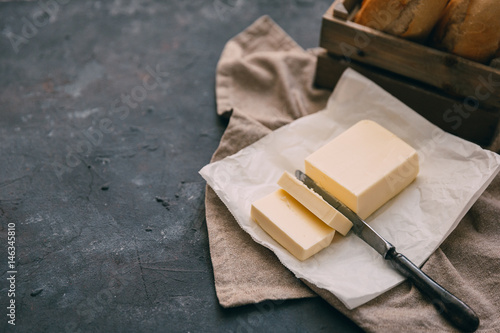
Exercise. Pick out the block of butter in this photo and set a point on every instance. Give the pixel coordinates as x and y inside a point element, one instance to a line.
<point>315,203</point>
<point>291,224</point>
<point>364,167</point>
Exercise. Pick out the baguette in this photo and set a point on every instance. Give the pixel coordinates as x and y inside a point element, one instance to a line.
<point>410,19</point>
<point>470,29</point>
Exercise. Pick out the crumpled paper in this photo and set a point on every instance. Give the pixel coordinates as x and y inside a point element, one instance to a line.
<point>453,173</point>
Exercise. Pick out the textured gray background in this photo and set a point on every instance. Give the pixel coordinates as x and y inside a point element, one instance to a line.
<point>107,112</point>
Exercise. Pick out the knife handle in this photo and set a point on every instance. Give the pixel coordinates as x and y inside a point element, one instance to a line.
<point>457,312</point>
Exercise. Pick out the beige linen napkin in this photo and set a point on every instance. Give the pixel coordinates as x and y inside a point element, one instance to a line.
<point>264,80</point>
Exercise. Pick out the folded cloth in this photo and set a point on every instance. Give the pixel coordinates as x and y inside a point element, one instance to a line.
<point>264,80</point>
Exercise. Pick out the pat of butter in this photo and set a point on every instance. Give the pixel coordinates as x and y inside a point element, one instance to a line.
<point>315,203</point>
<point>291,224</point>
<point>364,167</point>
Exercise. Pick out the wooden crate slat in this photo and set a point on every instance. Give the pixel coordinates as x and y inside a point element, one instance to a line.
<point>479,126</point>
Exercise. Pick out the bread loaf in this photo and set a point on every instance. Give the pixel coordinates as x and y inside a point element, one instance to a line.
<point>411,19</point>
<point>470,28</point>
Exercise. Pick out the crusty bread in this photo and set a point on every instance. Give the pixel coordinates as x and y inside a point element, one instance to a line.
<point>411,19</point>
<point>470,28</point>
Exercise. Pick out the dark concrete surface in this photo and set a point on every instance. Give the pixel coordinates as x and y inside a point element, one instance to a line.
<point>107,112</point>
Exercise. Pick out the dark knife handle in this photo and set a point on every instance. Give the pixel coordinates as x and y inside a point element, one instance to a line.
<point>457,312</point>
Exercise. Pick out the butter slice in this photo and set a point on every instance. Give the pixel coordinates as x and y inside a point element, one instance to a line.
<point>364,167</point>
<point>291,224</point>
<point>315,203</point>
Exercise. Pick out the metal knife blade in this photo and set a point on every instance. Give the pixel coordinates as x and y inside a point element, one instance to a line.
<point>360,227</point>
<point>452,308</point>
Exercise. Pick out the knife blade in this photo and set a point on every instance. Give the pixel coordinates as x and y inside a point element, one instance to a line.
<point>456,311</point>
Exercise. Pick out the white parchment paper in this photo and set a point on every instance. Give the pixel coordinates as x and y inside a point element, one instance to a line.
<point>453,173</point>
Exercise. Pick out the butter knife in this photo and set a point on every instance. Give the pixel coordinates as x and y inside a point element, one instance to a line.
<point>453,309</point>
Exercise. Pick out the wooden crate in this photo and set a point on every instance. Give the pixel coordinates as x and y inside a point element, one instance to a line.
<point>459,95</point>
